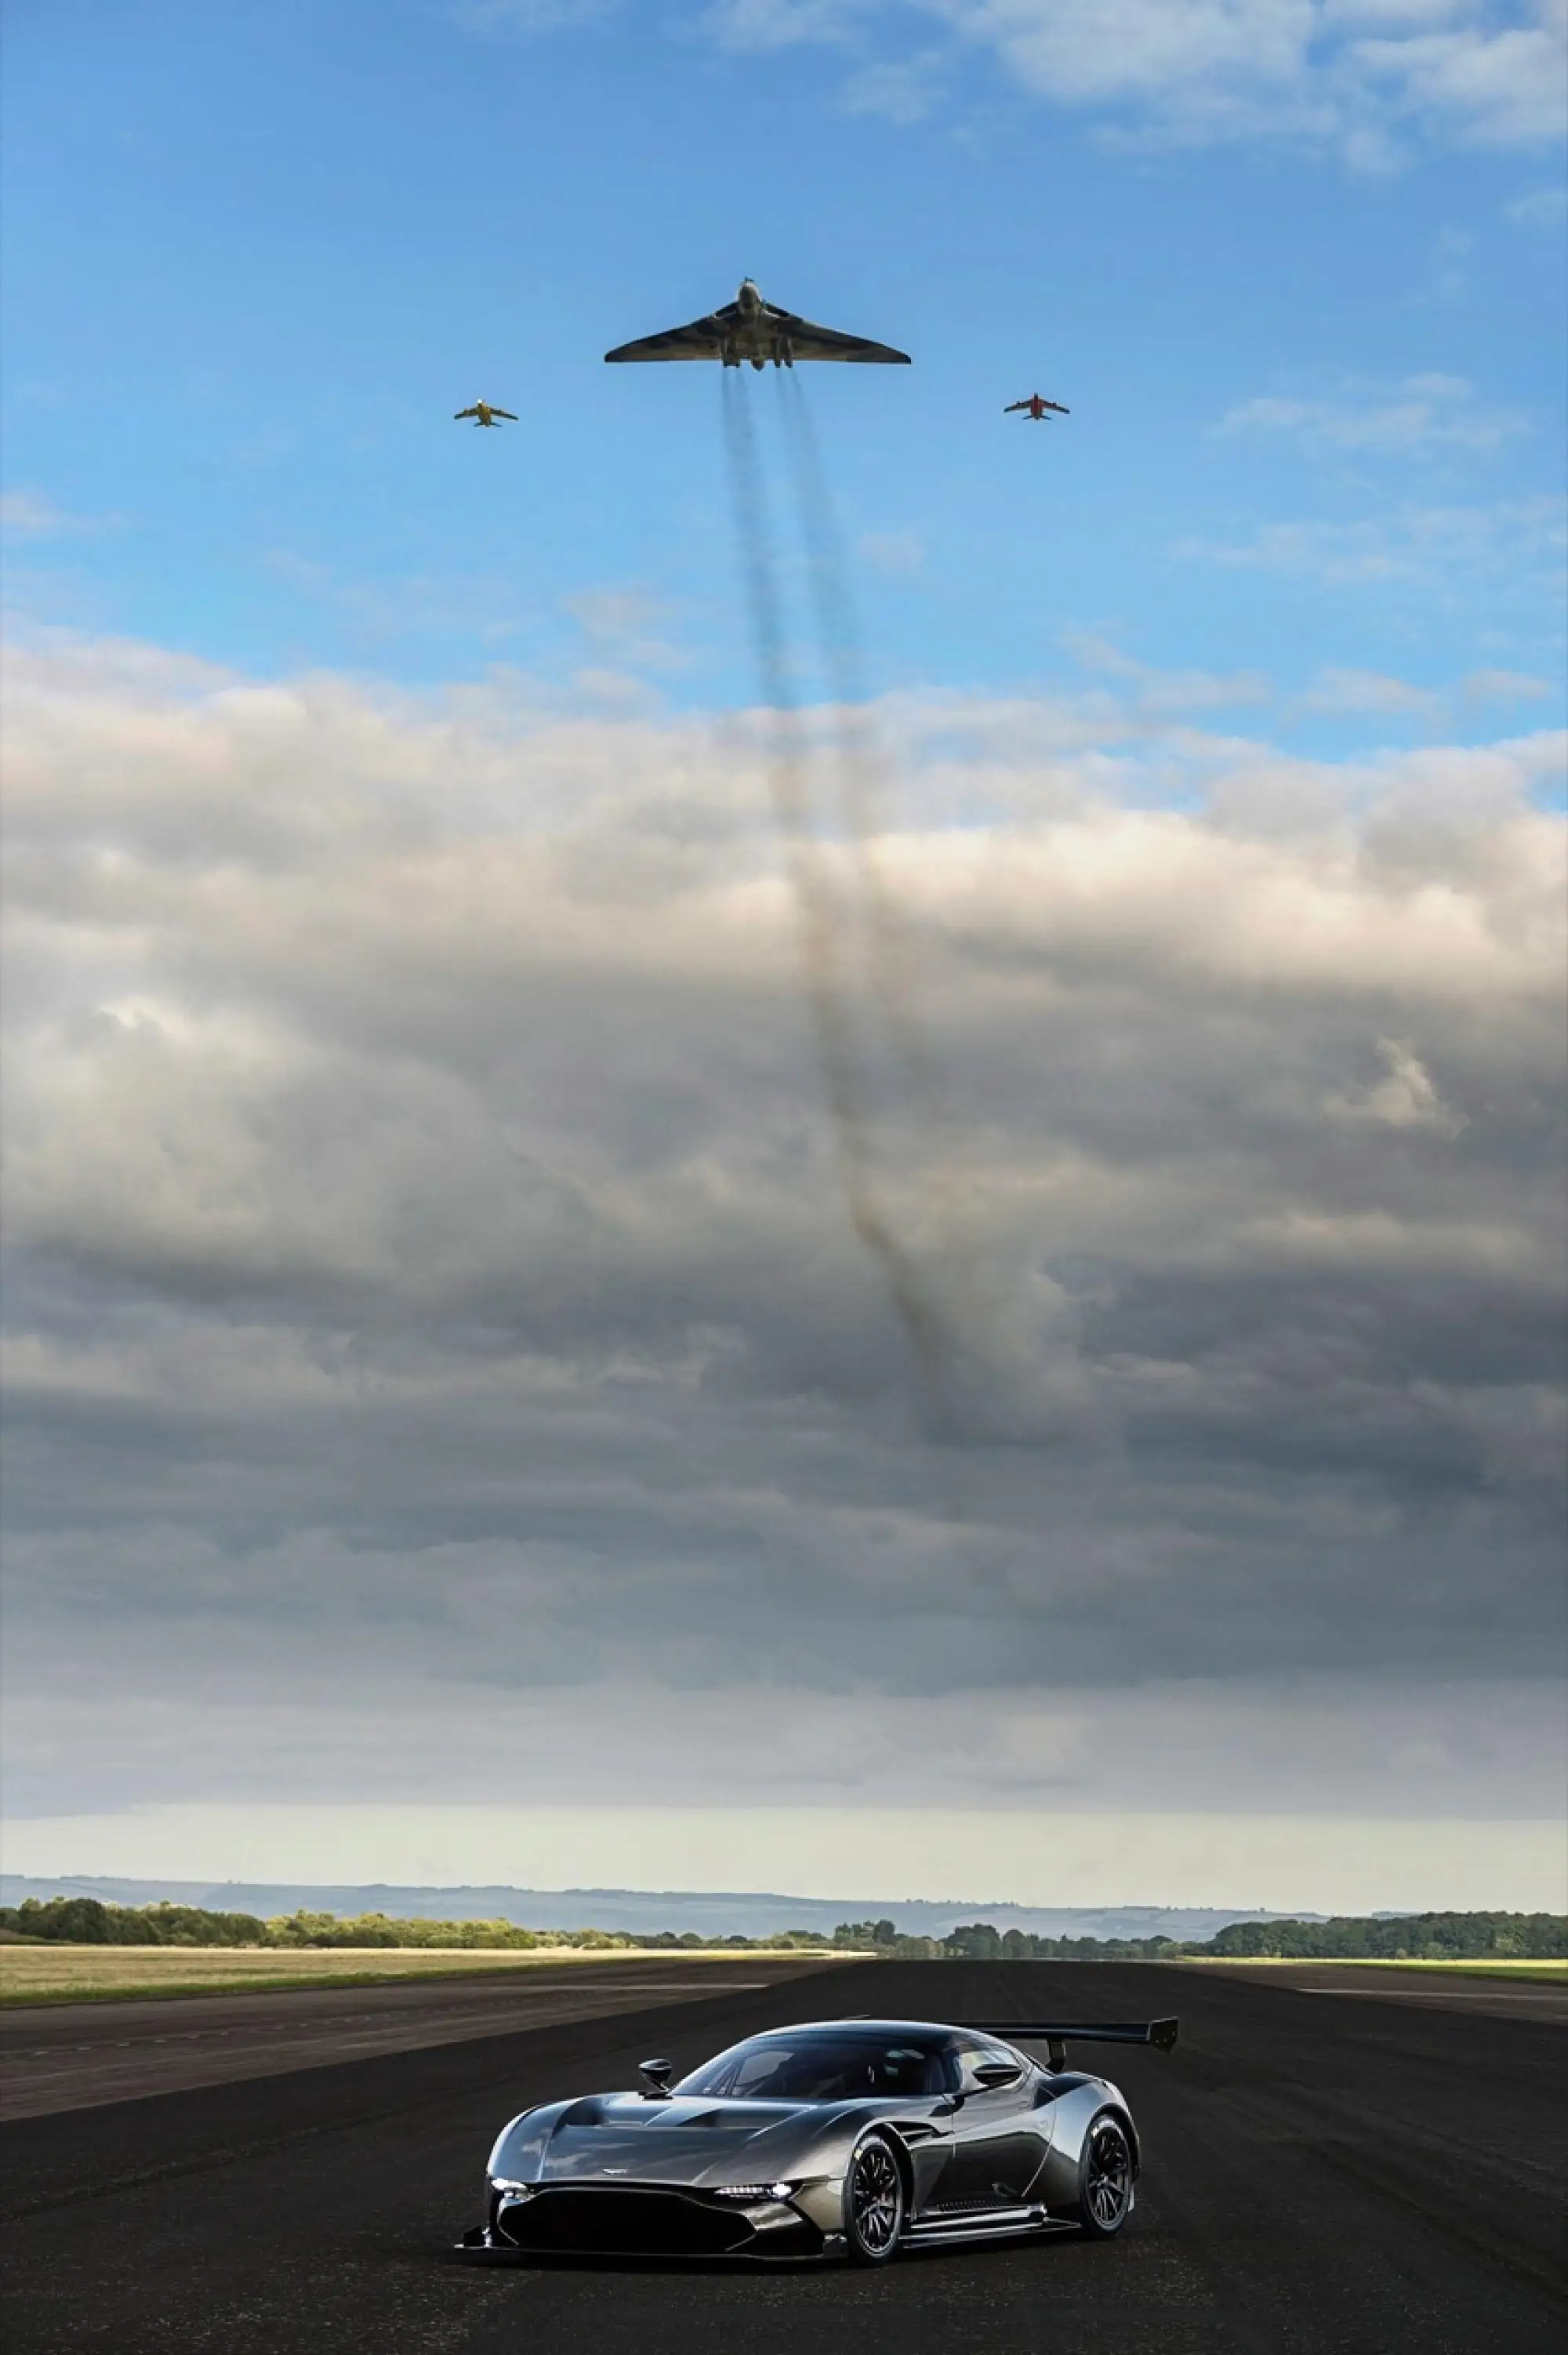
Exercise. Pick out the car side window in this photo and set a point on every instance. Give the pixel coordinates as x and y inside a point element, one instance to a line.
<point>969,2058</point>
<point>910,2071</point>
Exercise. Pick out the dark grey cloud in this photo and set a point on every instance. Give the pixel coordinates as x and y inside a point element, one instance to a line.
<point>427,1259</point>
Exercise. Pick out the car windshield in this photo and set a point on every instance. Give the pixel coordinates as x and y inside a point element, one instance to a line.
<point>815,2067</point>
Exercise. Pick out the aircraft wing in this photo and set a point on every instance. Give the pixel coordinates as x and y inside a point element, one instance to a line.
<point>813,343</point>
<point>458,414</point>
<point>505,412</point>
<point>703,340</point>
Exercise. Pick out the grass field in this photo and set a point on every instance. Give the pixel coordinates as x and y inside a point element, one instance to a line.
<point>61,1973</point>
<point>1526,1968</point>
<point>1530,1967</point>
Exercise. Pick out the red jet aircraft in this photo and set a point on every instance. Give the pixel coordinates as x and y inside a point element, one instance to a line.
<point>1036,406</point>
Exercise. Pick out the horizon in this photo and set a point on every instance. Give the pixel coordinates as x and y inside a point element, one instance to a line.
<point>1439,1870</point>
<point>692,1912</point>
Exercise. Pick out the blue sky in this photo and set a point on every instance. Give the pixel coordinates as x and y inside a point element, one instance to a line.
<point>1301,309</point>
<point>451,1300</point>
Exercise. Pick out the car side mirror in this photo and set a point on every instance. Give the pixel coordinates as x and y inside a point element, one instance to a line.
<point>655,2076</point>
<point>990,2074</point>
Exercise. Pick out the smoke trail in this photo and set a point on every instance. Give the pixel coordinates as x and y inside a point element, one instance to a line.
<point>819,916</point>
<point>861,768</point>
<point>892,959</point>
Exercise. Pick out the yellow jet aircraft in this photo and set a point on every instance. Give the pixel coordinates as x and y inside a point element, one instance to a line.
<point>485,412</point>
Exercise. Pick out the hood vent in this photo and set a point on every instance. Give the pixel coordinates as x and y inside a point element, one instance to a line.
<point>633,2114</point>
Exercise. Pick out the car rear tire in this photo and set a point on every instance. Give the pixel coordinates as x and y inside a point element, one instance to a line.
<point>873,2202</point>
<point>1106,2178</point>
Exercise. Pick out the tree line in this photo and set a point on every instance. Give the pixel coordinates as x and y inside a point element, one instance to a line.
<point>1408,1938</point>
<point>89,1922</point>
<point>1416,1938</point>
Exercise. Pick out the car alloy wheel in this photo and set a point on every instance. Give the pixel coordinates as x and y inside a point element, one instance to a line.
<point>873,2202</point>
<point>1106,2196</point>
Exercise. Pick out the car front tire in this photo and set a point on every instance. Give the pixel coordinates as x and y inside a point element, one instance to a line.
<point>873,2202</point>
<point>1106,2178</point>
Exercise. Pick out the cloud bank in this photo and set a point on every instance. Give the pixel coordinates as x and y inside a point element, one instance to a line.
<point>437,1341</point>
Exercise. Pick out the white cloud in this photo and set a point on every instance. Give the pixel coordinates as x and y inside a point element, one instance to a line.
<point>1365,77</point>
<point>30,514</point>
<point>1517,538</point>
<point>1205,57</point>
<point>430,1255</point>
<point>1469,1747</point>
<point>902,93</point>
<point>1541,208</point>
<point>1155,691</point>
<point>1405,1097</point>
<point>1495,77</point>
<point>1504,687</point>
<point>1365,691</point>
<point>481,607</point>
<point>1471,70</point>
<point>1423,415</point>
<point>629,623</point>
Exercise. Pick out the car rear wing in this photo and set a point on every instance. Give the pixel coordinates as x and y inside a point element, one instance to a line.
<point>1054,2034</point>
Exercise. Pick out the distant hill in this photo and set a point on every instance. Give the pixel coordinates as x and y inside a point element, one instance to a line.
<point>715,1913</point>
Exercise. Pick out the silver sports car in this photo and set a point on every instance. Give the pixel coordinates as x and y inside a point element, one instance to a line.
<point>847,2138</point>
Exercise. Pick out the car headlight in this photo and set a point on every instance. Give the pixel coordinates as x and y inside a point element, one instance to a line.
<point>513,2190</point>
<point>755,2191</point>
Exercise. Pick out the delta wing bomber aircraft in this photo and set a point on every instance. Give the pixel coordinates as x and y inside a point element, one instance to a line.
<point>750,329</point>
<point>847,2137</point>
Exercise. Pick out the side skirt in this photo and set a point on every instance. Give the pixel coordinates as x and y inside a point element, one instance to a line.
<point>983,2224</point>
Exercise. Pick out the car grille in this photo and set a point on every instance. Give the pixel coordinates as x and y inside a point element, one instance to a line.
<point>581,2219</point>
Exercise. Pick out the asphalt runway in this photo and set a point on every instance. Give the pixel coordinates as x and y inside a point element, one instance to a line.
<point>77,2056</point>
<point>1506,1996</point>
<point>1350,2177</point>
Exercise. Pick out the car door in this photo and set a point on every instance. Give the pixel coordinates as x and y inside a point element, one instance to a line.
<point>997,2140</point>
